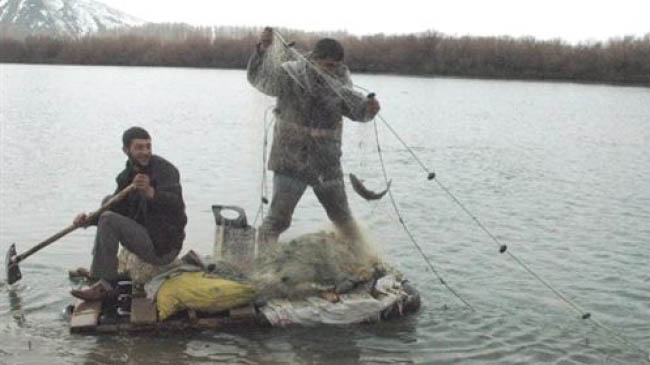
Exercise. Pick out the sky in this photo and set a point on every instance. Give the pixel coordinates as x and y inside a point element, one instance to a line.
<point>571,20</point>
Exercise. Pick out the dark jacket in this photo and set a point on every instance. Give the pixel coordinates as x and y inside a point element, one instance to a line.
<point>164,215</point>
<point>309,117</point>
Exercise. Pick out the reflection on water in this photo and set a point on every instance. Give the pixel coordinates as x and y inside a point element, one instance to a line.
<point>560,172</point>
<point>16,307</point>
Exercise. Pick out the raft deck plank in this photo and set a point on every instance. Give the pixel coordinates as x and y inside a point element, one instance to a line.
<point>85,316</point>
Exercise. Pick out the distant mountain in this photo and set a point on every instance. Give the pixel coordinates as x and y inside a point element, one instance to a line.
<point>60,17</point>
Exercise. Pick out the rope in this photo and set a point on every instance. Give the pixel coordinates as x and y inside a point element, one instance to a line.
<point>502,249</point>
<point>415,157</point>
<point>406,229</point>
<point>620,338</point>
<point>264,184</point>
<point>399,138</point>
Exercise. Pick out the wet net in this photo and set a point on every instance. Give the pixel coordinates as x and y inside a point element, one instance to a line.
<point>314,263</point>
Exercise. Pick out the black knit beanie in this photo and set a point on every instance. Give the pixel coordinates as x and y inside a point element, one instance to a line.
<point>134,133</point>
<point>328,48</point>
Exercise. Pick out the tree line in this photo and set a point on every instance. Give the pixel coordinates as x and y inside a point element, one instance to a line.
<point>619,60</point>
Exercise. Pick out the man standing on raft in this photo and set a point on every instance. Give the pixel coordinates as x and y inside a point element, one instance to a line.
<point>312,95</point>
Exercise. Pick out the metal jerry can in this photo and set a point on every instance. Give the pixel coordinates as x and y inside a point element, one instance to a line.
<point>234,240</point>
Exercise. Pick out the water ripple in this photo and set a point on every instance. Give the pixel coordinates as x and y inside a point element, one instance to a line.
<point>559,178</point>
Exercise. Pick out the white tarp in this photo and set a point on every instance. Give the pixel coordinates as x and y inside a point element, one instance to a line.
<point>354,307</point>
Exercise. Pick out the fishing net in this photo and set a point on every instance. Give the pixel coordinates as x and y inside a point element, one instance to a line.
<point>314,263</point>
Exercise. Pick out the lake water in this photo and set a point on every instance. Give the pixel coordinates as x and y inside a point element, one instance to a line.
<point>558,171</point>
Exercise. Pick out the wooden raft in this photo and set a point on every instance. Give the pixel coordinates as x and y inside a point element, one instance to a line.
<point>86,316</point>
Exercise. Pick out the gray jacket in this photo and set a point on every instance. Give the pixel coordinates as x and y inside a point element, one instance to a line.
<point>309,117</point>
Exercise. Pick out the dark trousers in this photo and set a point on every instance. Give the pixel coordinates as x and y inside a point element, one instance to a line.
<point>287,191</point>
<point>114,229</point>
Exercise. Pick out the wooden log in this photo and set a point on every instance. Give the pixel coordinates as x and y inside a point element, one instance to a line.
<point>245,313</point>
<point>244,317</point>
<point>143,311</point>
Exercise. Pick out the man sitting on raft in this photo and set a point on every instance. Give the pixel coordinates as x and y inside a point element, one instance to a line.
<point>149,222</point>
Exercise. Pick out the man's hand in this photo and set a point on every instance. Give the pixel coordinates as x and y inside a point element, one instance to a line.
<point>372,107</point>
<point>80,220</point>
<point>143,184</point>
<point>266,38</point>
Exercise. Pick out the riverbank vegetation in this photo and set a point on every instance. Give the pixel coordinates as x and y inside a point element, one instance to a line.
<point>619,60</point>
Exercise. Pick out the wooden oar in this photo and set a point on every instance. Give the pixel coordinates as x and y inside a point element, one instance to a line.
<point>12,259</point>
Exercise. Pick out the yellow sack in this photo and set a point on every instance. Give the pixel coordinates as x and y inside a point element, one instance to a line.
<point>202,292</point>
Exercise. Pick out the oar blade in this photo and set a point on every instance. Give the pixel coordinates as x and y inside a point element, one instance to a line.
<point>13,270</point>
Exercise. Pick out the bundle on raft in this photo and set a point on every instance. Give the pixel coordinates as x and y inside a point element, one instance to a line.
<point>314,279</point>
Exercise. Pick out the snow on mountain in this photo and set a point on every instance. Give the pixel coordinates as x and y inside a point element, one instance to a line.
<point>62,17</point>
